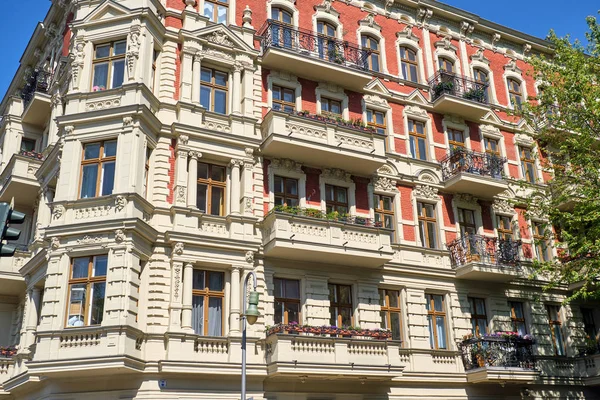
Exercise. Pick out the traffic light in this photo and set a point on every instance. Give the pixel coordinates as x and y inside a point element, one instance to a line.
<point>9,216</point>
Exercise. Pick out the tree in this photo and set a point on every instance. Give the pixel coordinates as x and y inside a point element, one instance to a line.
<point>566,126</point>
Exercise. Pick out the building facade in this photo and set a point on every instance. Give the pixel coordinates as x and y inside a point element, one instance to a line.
<point>359,156</point>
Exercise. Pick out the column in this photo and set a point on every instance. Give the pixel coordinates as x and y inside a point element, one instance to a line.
<point>430,70</point>
<point>192,178</point>
<point>181,180</point>
<point>196,70</point>
<point>236,88</point>
<point>235,186</point>
<point>186,75</point>
<point>176,302</point>
<point>32,316</point>
<point>247,185</point>
<point>234,316</point>
<point>248,92</point>
<point>188,276</point>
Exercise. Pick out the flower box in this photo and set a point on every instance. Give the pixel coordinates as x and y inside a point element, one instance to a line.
<point>296,329</point>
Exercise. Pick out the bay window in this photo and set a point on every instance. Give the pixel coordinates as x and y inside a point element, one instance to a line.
<point>109,65</point>
<point>436,318</point>
<point>98,169</point>
<point>214,86</point>
<point>208,294</point>
<point>212,182</point>
<point>87,287</point>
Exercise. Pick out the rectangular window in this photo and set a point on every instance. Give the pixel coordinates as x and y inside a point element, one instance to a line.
<point>340,305</point>
<point>418,140</point>
<point>389,300</point>
<point>466,222</point>
<point>479,324</point>
<point>214,85</point>
<point>456,139</point>
<point>27,145</point>
<point>87,287</point>
<point>376,120</point>
<point>284,99</point>
<point>147,170</point>
<point>208,292</point>
<point>331,108</point>
<point>155,54</point>
<point>528,165</point>
<point>436,318</point>
<point>540,241</point>
<point>287,301</point>
<point>589,326</point>
<point>109,65</point>
<point>384,210</point>
<point>98,169</point>
<point>409,64</point>
<point>556,329</point>
<point>504,227</point>
<point>491,146</point>
<point>286,191</point>
<point>216,10</point>
<point>212,181</point>
<point>517,317</point>
<point>427,224</point>
<point>336,199</point>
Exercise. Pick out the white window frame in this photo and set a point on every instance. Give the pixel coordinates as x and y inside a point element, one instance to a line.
<point>368,31</point>
<point>419,114</point>
<point>296,173</point>
<point>348,183</point>
<point>323,90</point>
<point>288,81</point>
<point>413,45</point>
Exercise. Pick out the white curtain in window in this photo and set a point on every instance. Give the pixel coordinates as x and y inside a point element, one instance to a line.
<point>215,317</point>
<point>198,314</point>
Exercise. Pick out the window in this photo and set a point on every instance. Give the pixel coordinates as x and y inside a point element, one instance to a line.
<point>492,146</point>
<point>213,90</point>
<point>517,317</point>
<point>505,231</point>
<point>409,64</point>
<point>336,199</point>
<point>589,326</point>
<point>540,242</point>
<point>216,10</point>
<point>466,222</point>
<point>456,139</point>
<point>155,54</point>
<point>479,324</point>
<point>528,165</point>
<point>147,170</point>
<point>27,145</point>
<point>436,317</point>
<point>418,140</point>
<point>446,65</point>
<point>327,44</point>
<point>281,15</point>
<point>284,99</point>
<point>340,305</point>
<point>286,191</point>
<point>514,92</point>
<point>376,120</point>
<point>384,210</point>
<point>211,189</point>
<point>87,287</point>
<point>389,300</point>
<point>331,108</point>
<point>427,224</point>
<point>109,65</point>
<point>287,301</point>
<point>281,35</point>
<point>481,77</point>
<point>208,292</point>
<point>556,329</point>
<point>372,62</point>
<point>98,169</point>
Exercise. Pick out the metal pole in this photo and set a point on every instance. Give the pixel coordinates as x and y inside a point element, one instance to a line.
<point>251,273</point>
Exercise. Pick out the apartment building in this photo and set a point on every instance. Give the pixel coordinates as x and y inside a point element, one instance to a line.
<point>359,156</point>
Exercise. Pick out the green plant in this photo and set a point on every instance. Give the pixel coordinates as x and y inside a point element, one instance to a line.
<point>476,94</point>
<point>336,55</point>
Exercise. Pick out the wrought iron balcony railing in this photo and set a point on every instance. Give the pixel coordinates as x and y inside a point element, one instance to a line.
<point>473,162</point>
<point>483,249</point>
<point>39,81</point>
<point>307,43</point>
<point>501,351</point>
<point>332,216</point>
<point>458,86</point>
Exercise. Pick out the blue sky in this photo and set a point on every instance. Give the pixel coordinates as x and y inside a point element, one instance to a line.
<point>535,17</point>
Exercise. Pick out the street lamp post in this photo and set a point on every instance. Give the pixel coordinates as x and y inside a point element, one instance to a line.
<point>250,315</point>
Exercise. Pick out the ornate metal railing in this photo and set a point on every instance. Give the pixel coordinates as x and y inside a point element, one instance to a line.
<point>504,352</point>
<point>332,216</point>
<point>473,162</point>
<point>483,249</point>
<point>307,43</point>
<point>459,86</point>
<point>39,81</point>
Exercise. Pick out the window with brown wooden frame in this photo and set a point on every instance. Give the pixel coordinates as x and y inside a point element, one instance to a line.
<point>216,10</point>
<point>436,318</point>
<point>376,120</point>
<point>287,301</point>
<point>336,199</point>
<point>340,305</point>
<point>208,294</point>
<point>517,317</point>
<point>214,86</point>
<point>515,92</point>
<point>528,164</point>
<point>409,64</point>
<point>389,300</point>
<point>331,108</point>
<point>492,146</point>
<point>466,222</point>
<point>446,64</point>
<point>555,324</point>
<point>373,60</point>
<point>479,322</point>
<point>504,224</point>
<point>285,191</point>
<point>482,78</point>
<point>456,139</point>
<point>109,65</point>
<point>418,139</point>
<point>540,241</point>
<point>384,210</point>
<point>98,169</point>
<point>87,289</point>
<point>427,224</point>
<point>212,182</point>
<point>284,99</point>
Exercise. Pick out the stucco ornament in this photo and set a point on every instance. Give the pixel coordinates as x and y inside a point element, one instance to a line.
<point>77,58</point>
<point>120,202</point>
<point>58,211</point>
<point>247,17</point>
<point>426,192</point>
<point>221,38</point>
<point>385,184</point>
<point>54,243</point>
<point>133,49</point>
<point>250,257</point>
<point>178,248</point>
<point>502,207</point>
<point>119,235</point>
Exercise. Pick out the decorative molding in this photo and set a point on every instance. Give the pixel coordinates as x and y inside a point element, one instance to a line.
<point>181,194</point>
<point>426,192</point>
<point>58,211</point>
<point>247,17</point>
<point>250,257</point>
<point>87,239</point>
<point>183,139</point>
<point>416,111</point>
<point>133,49</point>
<point>495,39</point>
<point>221,38</point>
<point>103,105</point>
<point>407,33</point>
<point>384,184</point>
<point>376,100</point>
<point>465,29</point>
<point>120,202</point>
<point>127,121</point>
<point>490,130</point>
<point>369,20</point>
<point>385,169</point>
<point>54,243</point>
<point>336,173</point>
<point>68,130</point>
<point>465,198</point>
<point>77,59</point>
<point>286,164</point>
<point>178,248</point>
<point>501,206</point>
<point>479,56</point>
<point>512,67</point>
<point>119,235</point>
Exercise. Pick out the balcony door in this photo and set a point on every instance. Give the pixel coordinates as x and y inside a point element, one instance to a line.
<point>468,233</point>
<point>282,28</point>
<point>327,44</point>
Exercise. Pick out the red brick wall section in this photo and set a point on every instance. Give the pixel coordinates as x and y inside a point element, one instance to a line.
<point>476,144</point>
<point>313,191</point>
<point>438,135</point>
<point>400,145</point>
<point>266,186</point>
<point>309,95</point>
<point>362,195</point>
<point>449,219</point>
<point>176,4</point>
<point>265,88</point>
<point>171,170</point>
<point>406,211</point>
<point>177,72</point>
<point>67,36</point>
<point>486,215</point>
<point>173,22</point>
<point>354,105</point>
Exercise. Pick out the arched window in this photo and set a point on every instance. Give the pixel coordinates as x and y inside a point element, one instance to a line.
<point>281,15</point>
<point>482,78</point>
<point>446,64</point>
<point>514,92</point>
<point>409,64</point>
<point>282,27</point>
<point>372,62</point>
<point>327,45</point>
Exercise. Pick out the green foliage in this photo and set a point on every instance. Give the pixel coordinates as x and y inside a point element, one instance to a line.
<point>565,120</point>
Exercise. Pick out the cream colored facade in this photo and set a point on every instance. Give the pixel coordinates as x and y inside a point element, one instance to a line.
<point>155,237</point>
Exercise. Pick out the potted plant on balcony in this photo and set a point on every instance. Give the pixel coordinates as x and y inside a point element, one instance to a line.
<point>8,351</point>
<point>475,94</point>
<point>442,87</point>
<point>313,213</point>
<point>335,55</point>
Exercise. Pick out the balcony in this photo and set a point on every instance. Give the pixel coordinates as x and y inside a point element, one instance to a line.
<point>317,57</point>
<point>7,365</point>
<point>456,94</point>
<point>36,100</point>
<point>330,355</point>
<point>479,174</point>
<point>308,235</point>
<point>499,358</point>
<point>18,178</point>
<point>11,281</point>
<point>326,142</point>
<point>591,365</point>
<point>485,258</point>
